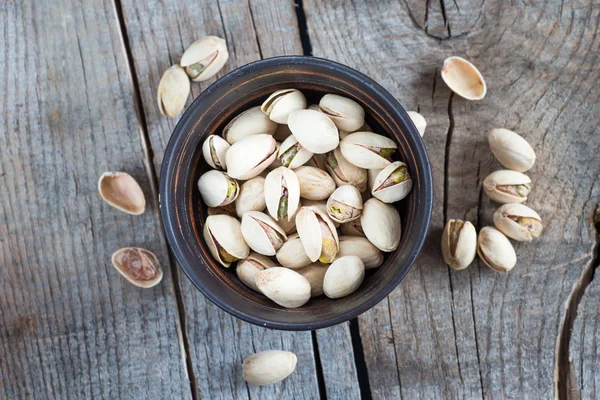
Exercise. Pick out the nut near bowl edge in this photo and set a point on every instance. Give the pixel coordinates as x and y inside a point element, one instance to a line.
<point>183,212</point>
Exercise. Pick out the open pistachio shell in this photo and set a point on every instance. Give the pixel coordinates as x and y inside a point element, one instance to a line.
<point>292,154</point>
<point>314,273</point>
<point>280,104</point>
<point>251,122</point>
<point>121,191</point>
<point>217,189</point>
<point>315,131</point>
<point>393,183</point>
<point>353,228</point>
<point>368,150</point>
<point>345,204</point>
<point>507,186</point>
<point>381,225</point>
<point>358,246</point>
<point>495,250</point>
<point>318,234</point>
<point>251,196</point>
<point>315,184</point>
<point>321,205</point>
<point>214,149</point>
<point>291,254</point>
<point>518,222</point>
<point>282,193</point>
<point>343,277</point>
<point>173,91</point>
<point>251,155</point>
<point>223,236</point>
<point>285,287</point>
<point>419,121</point>
<point>204,58</point>
<point>262,233</point>
<point>139,266</point>
<point>463,78</point>
<point>344,172</point>
<point>511,150</point>
<point>459,244</point>
<point>345,113</point>
<point>247,268</point>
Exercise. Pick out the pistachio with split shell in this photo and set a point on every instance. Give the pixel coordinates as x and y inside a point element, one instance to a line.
<point>314,130</point>
<point>495,250</point>
<point>344,172</point>
<point>315,184</point>
<point>292,154</point>
<point>280,104</point>
<point>223,236</point>
<point>321,205</point>
<point>251,155</point>
<point>173,91</point>
<point>262,233</point>
<point>289,226</point>
<point>381,224</point>
<point>204,58</point>
<point>314,273</point>
<point>318,234</point>
<point>459,243</point>
<point>511,150</point>
<point>507,186</point>
<point>518,222</point>
<point>282,193</point>
<point>228,209</point>
<point>121,191</point>
<point>463,78</point>
<point>139,266</point>
<point>251,196</point>
<point>345,113</point>
<point>318,161</point>
<point>368,150</point>
<point>291,254</point>
<point>358,246</point>
<point>214,150</point>
<point>343,277</point>
<point>268,367</point>
<point>250,122</point>
<point>217,189</point>
<point>419,121</point>
<point>393,183</point>
<point>353,228</point>
<point>284,286</point>
<point>247,268</point>
<point>345,204</point>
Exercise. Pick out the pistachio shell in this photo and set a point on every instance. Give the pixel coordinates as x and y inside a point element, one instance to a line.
<point>251,155</point>
<point>289,226</point>
<point>343,277</point>
<point>173,91</point>
<point>368,150</point>
<point>318,234</point>
<point>459,244</point>
<point>314,273</point>
<point>292,154</point>
<point>511,150</point>
<point>321,205</point>
<point>314,130</point>
<point>393,183</point>
<point>268,367</point>
<point>292,255</point>
<point>204,58</point>
<point>251,196</point>
<point>280,104</point>
<point>217,189</point>
<point>345,113</point>
<point>495,250</point>
<point>223,236</point>
<point>282,193</point>
<point>214,150</point>
<point>247,268</point>
<point>353,228</point>
<point>251,122</point>
<point>345,173</point>
<point>463,78</point>
<point>121,191</point>
<point>262,233</point>
<point>315,184</point>
<point>139,266</point>
<point>381,225</point>
<point>358,246</point>
<point>285,287</point>
<point>518,222</point>
<point>507,186</point>
<point>345,204</point>
<point>419,121</point>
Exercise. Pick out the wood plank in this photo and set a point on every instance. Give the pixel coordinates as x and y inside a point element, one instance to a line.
<point>70,325</point>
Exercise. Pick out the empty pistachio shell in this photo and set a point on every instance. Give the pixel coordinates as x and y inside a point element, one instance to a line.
<point>121,191</point>
<point>343,277</point>
<point>345,113</point>
<point>368,150</point>
<point>419,121</point>
<point>463,78</point>
<point>173,91</point>
<point>228,209</point>
<point>315,184</point>
<point>282,193</point>
<point>519,222</point>
<point>292,255</point>
<point>393,183</point>
<point>282,132</point>
<point>381,225</point>
<point>314,273</point>
<point>507,186</point>
<point>511,150</point>
<point>204,58</point>
<point>318,234</point>
<point>262,233</point>
<point>358,246</point>
<point>280,104</point>
<point>495,250</point>
<point>139,266</point>
<point>344,172</point>
<point>352,228</point>
<point>268,367</point>
<point>285,287</point>
<point>251,155</point>
<point>247,268</point>
<point>459,243</point>
<point>217,189</point>
<point>251,122</point>
<point>315,131</point>
<point>292,154</point>
<point>345,204</point>
<point>214,149</point>
<point>251,196</point>
<point>223,236</point>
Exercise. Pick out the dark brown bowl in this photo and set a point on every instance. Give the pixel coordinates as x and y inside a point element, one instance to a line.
<point>183,212</point>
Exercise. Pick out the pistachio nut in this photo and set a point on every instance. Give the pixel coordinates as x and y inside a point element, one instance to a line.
<point>223,236</point>
<point>217,189</point>
<point>314,130</point>
<point>345,113</point>
<point>121,191</point>
<point>511,150</point>
<point>280,104</point>
<point>251,196</point>
<point>291,254</point>
<point>345,204</point>
<point>250,156</point>
<point>251,122</point>
<point>459,244</point>
<point>495,250</point>
<point>358,246</point>
<point>285,287</point>
<point>247,268</point>
<point>393,183</point>
<point>419,121</point>
<point>262,233</point>
<point>214,149</point>
<point>289,226</point>
<point>368,150</point>
<point>352,228</point>
<point>318,234</point>
<point>282,193</point>
<point>227,209</point>
<point>314,273</point>
<point>463,78</point>
<point>292,154</point>
<point>321,205</point>
<point>315,184</point>
<point>268,367</point>
<point>318,161</point>
<point>381,224</point>
<point>345,173</point>
<point>204,58</point>
<point>507,186</point>
<point>282,132</point>
<point>139,266</point>
<point>343,277</point>
<point>518,222</point>
<point>173,91</point>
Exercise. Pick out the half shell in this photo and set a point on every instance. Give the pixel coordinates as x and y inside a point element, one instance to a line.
<point>315,184</point>
<point>139,266</point>
<point>345,113</point>
<point>204,58</point>
<point>121,191</point>
<point>217,189</point>
<point>262,233</point>
<point>223,236</point>
<point>292,154</point>
<point>251,155</point>
<point>292,255</point>
<point>280,104</point>
<point>247,268</point>
<point>318,234</point>
<point>358,246</point>
<point>393,183</point>
<point>282,193</point>
<point>314,130</point>
<point>251,122</point>
<point>345,173</point>
<point>463,78</point>
<point>214,150</point>
<point>381,225</point>
<point>251,196</point>
<point>345,204</point>
<point>368,150</point>
<point>518,222</point>
<point>507,186</point>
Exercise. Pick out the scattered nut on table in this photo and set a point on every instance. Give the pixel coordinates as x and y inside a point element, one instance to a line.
<point>518,222</point>
<point>268,367</point>
<point>173,91</point>
<point>495,250</point>
<point>204,58</point>
<point>459,244</point>
<point>121,191</point>
<point>463,78</point>
<point>511,150</point>
<point>139,266</point>
<point>507,186</point>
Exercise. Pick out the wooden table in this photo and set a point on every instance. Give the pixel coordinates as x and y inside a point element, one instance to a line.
<point>78,88</point>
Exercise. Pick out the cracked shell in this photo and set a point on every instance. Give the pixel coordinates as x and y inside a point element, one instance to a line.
<point>381,224</point>
<point>280,104</point>
<point>459,244</point>
<point>204,58</point>
<point>223,236</point>
<point>282,193</point>
<point>292,255</point>
<point>344,172</point>
<point>251,196</point>
<point>315,184</point>
<point>314,273</point>
<point>463,78</point>
<point>507,186</point>
<point>315,131</point>
<point>368,150</point>
<point>318,234</point>
<point>495,250</point>
<point>518,222</point>
<point>214,150</point>
<point>250,122</point>
<point>345,113</point>
<point>284,286</point>
<point>345,204</point>
<point>217,189</point>
<point>358,246</point>
<point>139,266</point>
<point>121,190</point>
<point>343,277</point>
<point>173,91</point>
<point>511,150</point>
<point>393,183</point>
<point>419,121</point>
<point>262,233</point>
<point>292,154</point>
<point>247,268</point>
<point>250,156</point>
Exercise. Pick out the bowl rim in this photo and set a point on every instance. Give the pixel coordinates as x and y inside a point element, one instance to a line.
<point>168,207</point>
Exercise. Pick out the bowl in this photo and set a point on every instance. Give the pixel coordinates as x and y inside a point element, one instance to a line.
<point>183,212</point>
